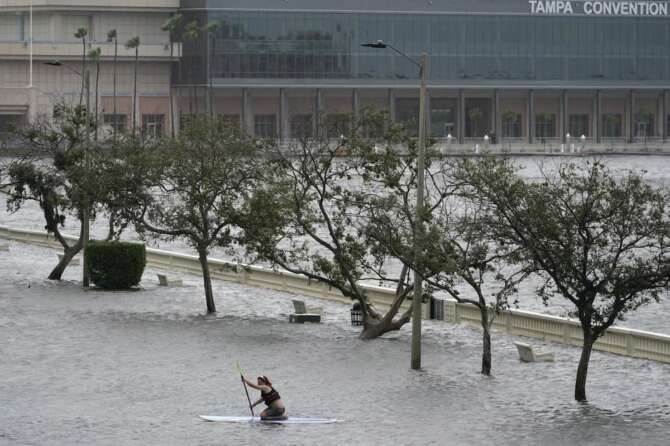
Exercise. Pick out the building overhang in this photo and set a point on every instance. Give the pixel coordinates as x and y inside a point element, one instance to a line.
<point>89,5</point>
<point>414,84</point>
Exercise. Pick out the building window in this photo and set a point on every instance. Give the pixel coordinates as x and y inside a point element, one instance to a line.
<point>545,125</point>
<point>612,126</point>
<point>265,126</point>
<point>229,119</point>
<point>9,123</point>
<point>115,122</point>
<point>644,124</point>
<point>185,120</point>
<point>301,126</point>
<point>442,122</point>
<point>511,124</point>
<point>337,125</point>
<point>152,126</point>
<point>579,125</point>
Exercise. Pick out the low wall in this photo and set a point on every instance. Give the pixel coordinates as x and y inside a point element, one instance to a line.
<point>622,341</point>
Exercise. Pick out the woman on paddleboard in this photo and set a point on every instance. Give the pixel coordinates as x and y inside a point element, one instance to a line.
<point>276,409</point>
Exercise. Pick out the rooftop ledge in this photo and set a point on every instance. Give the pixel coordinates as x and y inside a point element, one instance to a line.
<point>90,4</point>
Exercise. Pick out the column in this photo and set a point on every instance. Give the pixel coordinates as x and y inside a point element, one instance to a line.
<point>564,116</point>
<point>284,127</point>
<point>497,122</point>
<point>247,114</point>
<point>628,120</point>
<point>32,107</point>
<point>356,107</point>
<point>392,105</point>
<point>460,120</point>
<point>530,120</point>
<point>597,106</point>
<point>428,117</point>
<point>664,116</point>
<point>318,109</point>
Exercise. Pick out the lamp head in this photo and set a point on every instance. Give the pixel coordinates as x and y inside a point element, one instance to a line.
<point>377,44</point>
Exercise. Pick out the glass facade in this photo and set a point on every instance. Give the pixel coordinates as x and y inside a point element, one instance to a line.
<point>326,46</point>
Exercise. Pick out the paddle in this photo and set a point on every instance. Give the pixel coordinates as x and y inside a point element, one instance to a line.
<point>239,369</point>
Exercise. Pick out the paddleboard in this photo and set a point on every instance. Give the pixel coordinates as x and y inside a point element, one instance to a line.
<point>289,420</point>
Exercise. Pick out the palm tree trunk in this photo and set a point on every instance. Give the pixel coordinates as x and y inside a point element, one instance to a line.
<point>116,51</point>
<point>97,96</point>
<point>170,95</point>
<point>137,52</point>
<point>83,70</point>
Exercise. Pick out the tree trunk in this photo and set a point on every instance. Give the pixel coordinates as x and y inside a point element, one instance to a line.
<point>372,330</point>
<point>486,345</point>
<point>375,326</point>
<point>582,370</point>
<point>68,254</point>
<point>207,281</point>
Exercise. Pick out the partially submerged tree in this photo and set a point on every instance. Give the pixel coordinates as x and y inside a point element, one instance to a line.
<point>204,178</point>
<point>601,240</point>
<point>312,222</point>
<point>54,174</point>
<point>455,247</point>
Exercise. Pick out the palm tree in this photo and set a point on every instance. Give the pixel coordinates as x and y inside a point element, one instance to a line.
<point>81,34</point>
<point>112,37</point>
<point>134,43</point>
<point>171,26</point>
<point>192,33</point>
<point>94,55</point>
<point>211,28</point>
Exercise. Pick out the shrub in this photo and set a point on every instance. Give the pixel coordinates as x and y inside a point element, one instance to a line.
<point>115,265</point>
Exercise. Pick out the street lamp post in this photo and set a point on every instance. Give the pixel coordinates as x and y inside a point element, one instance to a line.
<point>85,231</point>
<point>417,296</point>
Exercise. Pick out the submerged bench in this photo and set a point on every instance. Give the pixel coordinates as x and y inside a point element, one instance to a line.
<point>528,354</point>
<point>164,280</point>
<point>304,314</point>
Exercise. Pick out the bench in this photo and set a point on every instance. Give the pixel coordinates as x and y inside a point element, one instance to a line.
<point>304,314</point>
<point>73,262</point>
<point>528,354</point>
<point>164,280</point>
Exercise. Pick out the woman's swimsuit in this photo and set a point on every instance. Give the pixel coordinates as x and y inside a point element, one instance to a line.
<point>269,398</point>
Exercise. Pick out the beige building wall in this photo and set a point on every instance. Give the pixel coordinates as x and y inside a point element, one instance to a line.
<point>54,25</point>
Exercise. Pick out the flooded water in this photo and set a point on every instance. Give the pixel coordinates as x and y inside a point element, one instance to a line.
<point>136,368</point>
<point>650,318</point>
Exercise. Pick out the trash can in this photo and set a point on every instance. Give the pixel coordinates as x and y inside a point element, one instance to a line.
<point>356,314</point>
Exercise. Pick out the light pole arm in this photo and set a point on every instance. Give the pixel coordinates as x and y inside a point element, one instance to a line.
<point>418,64</point>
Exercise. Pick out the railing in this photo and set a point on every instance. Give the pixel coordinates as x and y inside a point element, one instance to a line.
<point>622,341</point>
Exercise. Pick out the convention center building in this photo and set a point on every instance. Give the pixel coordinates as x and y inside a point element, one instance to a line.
<point>515,72</point>
<point>505,71</point>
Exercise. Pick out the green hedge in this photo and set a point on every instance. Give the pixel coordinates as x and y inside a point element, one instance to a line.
<point>115,265</point>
